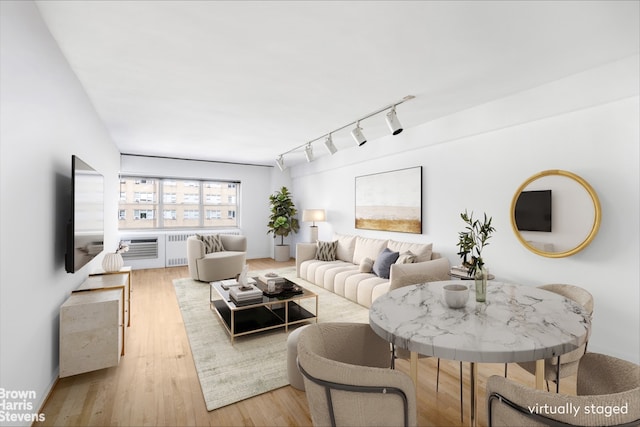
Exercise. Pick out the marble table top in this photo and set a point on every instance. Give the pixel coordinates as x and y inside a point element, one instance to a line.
<point>516,324</point>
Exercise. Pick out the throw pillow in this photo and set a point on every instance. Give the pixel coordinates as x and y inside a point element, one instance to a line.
<point>407,257</point>
<point>382,266</point>
<point>326,251</point>
<point>366,265</point>
<point>212,243</point>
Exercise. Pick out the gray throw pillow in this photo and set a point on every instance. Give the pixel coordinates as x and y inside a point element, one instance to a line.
<point>327,251</point>
<point>212,243</point>
<point>382,265</point>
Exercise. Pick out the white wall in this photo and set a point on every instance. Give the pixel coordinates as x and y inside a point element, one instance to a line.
<point>255,187</point>
<point>477,159</point>
<point>45,117</point>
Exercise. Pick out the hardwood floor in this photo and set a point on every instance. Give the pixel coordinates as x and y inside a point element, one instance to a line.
<point>156,382</point>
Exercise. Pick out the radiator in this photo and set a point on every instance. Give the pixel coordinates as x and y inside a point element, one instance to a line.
<point>176,249</point>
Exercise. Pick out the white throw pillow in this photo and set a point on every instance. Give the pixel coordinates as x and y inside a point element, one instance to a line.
<point>366,265</point>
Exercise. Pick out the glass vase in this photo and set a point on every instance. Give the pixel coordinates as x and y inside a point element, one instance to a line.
<point>481,283</point>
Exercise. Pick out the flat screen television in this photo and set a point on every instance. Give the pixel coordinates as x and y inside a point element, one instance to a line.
<point>85,231</point>
<point>533,211</point>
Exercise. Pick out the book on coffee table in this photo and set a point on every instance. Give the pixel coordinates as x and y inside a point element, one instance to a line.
<point>271,276</point>
<point>245,293</point>
<point>229,283</point>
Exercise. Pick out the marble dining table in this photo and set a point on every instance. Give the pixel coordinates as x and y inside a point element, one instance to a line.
<point>517,323</point>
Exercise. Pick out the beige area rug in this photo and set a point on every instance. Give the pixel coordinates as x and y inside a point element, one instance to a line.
<point>256,363</point>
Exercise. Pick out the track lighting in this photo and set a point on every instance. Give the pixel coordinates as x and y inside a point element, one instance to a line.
<point>308,152</point>
<point>329,144</point>
<point>393,122</point>
<point>358,135</point>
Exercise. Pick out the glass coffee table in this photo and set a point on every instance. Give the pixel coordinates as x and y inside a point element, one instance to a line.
<point>282,308</point>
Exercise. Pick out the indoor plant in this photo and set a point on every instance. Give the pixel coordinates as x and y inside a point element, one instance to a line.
<point>282,221</point>
<point>471,242</point>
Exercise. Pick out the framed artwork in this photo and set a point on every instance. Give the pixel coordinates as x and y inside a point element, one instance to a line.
<point>390,201</point>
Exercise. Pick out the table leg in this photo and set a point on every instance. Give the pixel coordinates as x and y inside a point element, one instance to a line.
<point>414,371</point>
<point>540,374</point>
<point>474,394</point>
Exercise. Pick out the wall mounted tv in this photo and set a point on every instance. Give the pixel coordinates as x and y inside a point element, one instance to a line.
<point>85,231</point>
<point>533,211</point>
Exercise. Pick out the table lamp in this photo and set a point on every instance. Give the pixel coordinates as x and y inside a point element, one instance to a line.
<point>313,215</point>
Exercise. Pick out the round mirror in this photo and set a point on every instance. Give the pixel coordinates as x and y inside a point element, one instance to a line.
<point>555,213</point>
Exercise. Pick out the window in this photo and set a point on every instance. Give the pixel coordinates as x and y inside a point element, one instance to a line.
<point>181,203</point>
<point>143,214</point>
<point>213,214</point>
<point>191,214</point>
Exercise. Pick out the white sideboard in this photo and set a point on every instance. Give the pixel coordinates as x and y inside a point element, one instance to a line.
<point>91,331</point>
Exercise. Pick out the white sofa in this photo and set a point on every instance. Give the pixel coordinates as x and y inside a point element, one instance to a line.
<point>343,275</point>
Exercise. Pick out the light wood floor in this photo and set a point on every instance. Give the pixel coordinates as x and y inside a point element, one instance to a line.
<point>156,382</point>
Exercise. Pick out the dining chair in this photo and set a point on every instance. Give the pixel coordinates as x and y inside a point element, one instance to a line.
<point>568,363</point>
<point>608,394</point>
<point>347,378</point>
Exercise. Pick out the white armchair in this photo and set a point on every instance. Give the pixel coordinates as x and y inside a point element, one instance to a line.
<point>219,265</point>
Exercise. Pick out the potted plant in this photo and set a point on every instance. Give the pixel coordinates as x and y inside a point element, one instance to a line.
<point>282,221</point>
<point>471,242</point>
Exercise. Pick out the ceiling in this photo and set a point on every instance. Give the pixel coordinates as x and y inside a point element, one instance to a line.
<point>243,81</point>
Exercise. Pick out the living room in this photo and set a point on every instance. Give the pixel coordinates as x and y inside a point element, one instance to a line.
<point>585,121</point>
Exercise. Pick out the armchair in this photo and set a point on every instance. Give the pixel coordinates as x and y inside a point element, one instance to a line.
<point>219,265</point>
<point>568,365</point>
<point>608,394</point>
<point>347,378</point>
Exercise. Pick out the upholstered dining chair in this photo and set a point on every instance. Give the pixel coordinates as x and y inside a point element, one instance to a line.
<point>608,394</point>
<point>568,362</point>
<point>348,380</point>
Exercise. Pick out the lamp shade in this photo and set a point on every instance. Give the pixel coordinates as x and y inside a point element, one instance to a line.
<point>313,215</point>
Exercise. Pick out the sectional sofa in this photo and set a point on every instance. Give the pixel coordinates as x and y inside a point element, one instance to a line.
<point>351,270</point>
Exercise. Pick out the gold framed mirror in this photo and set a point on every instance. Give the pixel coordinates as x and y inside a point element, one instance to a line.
<point>555,213</point>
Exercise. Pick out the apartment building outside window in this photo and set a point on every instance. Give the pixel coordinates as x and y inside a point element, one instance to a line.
<point>180,203</point>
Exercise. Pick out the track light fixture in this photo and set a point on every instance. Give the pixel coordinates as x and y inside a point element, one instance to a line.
<point>328,142</point>
<point>308,152</point>
<point>393,122</point>
<point>356,133</point>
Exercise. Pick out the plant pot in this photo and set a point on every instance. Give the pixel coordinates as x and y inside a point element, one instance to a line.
<point>281,253</point>
<point>112,262</point>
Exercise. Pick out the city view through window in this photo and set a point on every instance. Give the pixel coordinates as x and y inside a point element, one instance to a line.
<point>147,203</point>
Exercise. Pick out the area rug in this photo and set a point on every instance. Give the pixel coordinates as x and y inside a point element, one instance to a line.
<point>256,363</point>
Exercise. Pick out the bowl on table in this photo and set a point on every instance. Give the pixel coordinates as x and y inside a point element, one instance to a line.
<point>455,295</point>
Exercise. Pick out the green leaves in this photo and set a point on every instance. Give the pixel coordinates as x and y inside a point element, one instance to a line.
<point>283,211</point>
<point>473,240</point>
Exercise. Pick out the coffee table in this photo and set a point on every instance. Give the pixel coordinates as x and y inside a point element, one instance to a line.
<point>269,312</point>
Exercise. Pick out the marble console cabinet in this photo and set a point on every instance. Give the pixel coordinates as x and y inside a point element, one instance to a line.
<point>91,331</point>
<point>93,323</point>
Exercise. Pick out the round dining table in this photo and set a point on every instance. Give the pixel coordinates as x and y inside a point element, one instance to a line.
<point>517,323</point>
